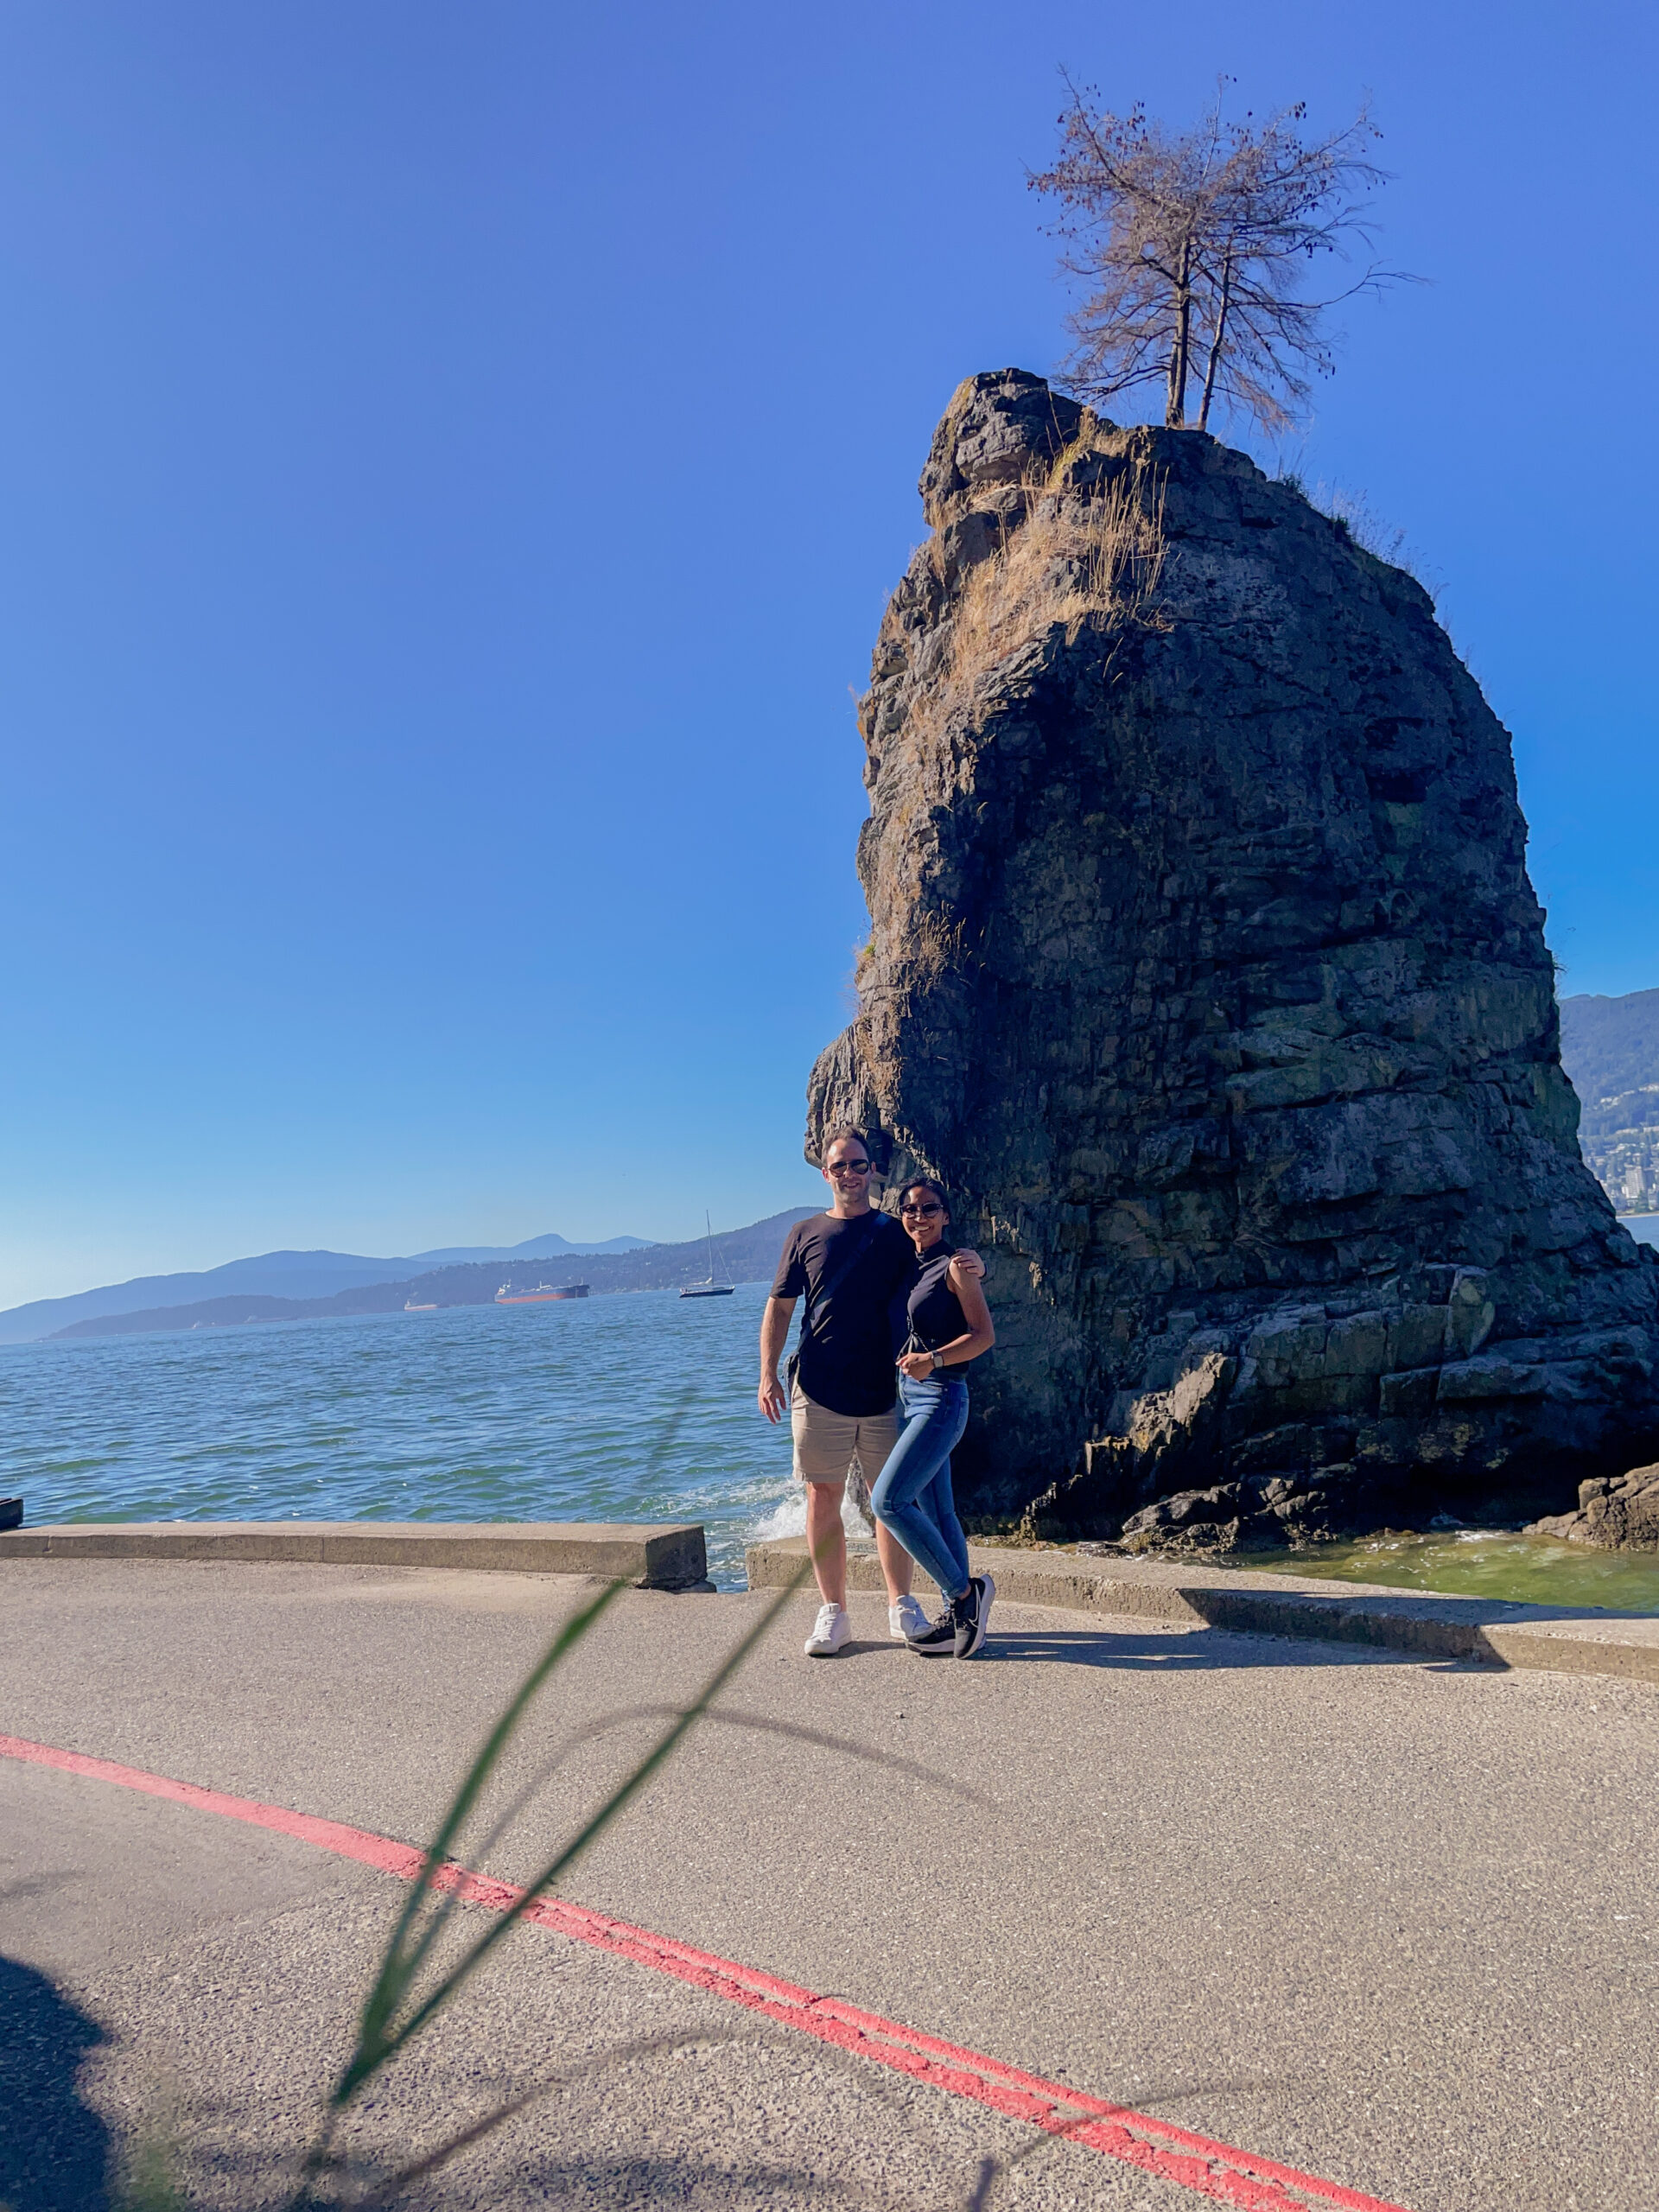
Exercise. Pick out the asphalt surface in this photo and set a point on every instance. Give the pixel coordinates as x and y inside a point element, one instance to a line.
<point>1391,1923</point>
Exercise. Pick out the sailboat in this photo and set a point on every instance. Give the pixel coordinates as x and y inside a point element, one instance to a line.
<point>709,1288</point>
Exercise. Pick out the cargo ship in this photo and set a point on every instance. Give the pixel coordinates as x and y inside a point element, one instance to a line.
<point>541,1294</point>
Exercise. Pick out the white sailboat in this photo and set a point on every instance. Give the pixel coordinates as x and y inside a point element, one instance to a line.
<point>709,1288</point>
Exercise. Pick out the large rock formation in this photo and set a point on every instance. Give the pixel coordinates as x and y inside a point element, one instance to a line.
<point>1205,971</point>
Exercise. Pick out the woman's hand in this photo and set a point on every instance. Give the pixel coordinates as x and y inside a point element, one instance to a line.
<point>917,1365</point>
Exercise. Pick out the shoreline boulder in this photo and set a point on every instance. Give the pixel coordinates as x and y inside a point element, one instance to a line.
<point>1614,1514</point>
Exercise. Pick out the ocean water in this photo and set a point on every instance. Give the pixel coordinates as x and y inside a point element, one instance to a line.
<point>628,1408</point>
<point>1483,1563</point>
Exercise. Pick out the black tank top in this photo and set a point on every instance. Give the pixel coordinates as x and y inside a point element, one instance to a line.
<point>932,1312</point>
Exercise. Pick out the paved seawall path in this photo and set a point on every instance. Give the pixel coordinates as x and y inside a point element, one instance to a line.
<point>1562,1639</point>
<point>1256,1919</point>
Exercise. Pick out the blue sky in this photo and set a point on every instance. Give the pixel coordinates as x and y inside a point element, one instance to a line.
<point>452,463</point>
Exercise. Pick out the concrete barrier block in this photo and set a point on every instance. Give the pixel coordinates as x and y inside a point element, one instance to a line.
<point>24,1544</point>
<point>654,1555</point>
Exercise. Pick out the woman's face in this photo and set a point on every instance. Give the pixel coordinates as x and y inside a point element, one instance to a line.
<point>923,1218</point>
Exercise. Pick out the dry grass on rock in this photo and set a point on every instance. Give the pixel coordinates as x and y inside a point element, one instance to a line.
<point>1069,553</point>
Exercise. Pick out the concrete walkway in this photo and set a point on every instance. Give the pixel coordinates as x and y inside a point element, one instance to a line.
<point>1564,1639</point>
<point>1389,1923</point>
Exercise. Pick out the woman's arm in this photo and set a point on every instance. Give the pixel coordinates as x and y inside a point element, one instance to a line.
<point>981,1333</point>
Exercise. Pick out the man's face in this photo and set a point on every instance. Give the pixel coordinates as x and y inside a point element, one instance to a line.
<point>847,1169</point>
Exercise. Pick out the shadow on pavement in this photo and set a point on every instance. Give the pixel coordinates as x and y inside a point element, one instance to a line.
<point>668,2180</point>
<point>53,2149</point>
<point>1184,1651</point>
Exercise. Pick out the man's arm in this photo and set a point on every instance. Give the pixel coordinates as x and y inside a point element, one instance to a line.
<point>965,1257</point>
<point>775,1334</point>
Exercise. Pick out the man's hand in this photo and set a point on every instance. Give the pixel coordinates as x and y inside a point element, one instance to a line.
<point>775,1334</point>
<point>969,1261</point>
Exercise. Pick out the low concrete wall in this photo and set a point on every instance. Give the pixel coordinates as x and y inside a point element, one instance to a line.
<point>651,1554</point>
<point>1570,1639</point>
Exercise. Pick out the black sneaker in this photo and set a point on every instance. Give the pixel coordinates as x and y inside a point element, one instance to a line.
<point>938,1641</point>
<point>972,1614</point>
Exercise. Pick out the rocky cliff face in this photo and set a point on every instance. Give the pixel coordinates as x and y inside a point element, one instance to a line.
<point>1204,970</point>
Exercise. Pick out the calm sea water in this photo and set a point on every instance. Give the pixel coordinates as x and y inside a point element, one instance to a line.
<point>1485,1563</point>
<point>620,1408</point>
<point>627,1407</point>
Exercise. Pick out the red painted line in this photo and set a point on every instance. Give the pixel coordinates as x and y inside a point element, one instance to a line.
<point>1218,2170</point>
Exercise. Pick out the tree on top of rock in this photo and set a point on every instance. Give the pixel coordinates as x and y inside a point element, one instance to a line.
<point>1195,250</point>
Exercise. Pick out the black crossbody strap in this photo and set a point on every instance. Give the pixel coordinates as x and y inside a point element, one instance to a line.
<point>832,1281</point>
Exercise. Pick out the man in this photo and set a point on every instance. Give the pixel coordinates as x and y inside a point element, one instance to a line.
<point>849,1262</point>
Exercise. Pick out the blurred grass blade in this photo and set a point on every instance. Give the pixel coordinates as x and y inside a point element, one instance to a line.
<point>726,1717</point>
<point>399,1966</point>
<point>148,2180</point>
<point>402,1960</point>
<point>372,2054</point>
<point>668,1430</point>
<point>644,2047</point>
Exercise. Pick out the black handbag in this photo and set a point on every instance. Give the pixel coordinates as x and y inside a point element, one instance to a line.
<point>818,1300</point>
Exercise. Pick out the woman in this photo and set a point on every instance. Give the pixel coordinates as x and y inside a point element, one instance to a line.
<point>941,1321</point>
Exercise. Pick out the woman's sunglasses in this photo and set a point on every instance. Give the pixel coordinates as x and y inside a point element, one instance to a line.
<point>922,1209</point>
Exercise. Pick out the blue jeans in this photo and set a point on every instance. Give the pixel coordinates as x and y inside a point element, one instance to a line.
<point>912,1493</point>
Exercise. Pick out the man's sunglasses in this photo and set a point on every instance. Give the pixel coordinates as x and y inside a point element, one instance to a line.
<point>850,1167</point>
<point>923,1209</point>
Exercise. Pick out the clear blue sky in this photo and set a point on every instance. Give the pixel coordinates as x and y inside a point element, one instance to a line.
<point>452,460</point>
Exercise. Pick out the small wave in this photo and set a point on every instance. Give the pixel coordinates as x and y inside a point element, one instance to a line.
<point>788,1519</point>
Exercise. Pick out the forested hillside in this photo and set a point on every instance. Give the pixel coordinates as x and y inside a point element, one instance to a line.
<point>1609,1048</point>
<point>740,1256</point>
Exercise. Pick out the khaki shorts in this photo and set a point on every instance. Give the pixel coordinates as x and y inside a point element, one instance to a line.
<point>827,1444</point>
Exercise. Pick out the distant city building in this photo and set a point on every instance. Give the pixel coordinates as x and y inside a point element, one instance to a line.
<point>1609,1048</point>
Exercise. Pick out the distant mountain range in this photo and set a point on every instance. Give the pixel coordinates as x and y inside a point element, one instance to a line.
<point>280,1276</point>
<point>1609,1048</point>
<point>740,1256</point>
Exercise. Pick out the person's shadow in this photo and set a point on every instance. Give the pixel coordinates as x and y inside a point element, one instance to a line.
<point>54,2150</point>
<point>1172,1651</point>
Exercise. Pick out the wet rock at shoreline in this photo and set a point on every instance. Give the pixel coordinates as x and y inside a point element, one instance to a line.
<point>1619,1515</point>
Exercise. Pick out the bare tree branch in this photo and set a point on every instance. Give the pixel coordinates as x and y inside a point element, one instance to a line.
<point>1201,246</point>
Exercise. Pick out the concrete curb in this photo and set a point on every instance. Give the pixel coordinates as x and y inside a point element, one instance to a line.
<point>651,1555</point>
<point>1565,1639</point>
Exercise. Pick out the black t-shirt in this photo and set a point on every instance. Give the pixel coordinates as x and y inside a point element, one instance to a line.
<point>846,1359</point>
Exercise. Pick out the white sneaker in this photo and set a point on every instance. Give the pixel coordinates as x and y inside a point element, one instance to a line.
<point>832,1630</point>
<point>906,1619</point>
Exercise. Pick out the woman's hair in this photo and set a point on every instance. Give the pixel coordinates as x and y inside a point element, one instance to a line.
<point>922,1183</point>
